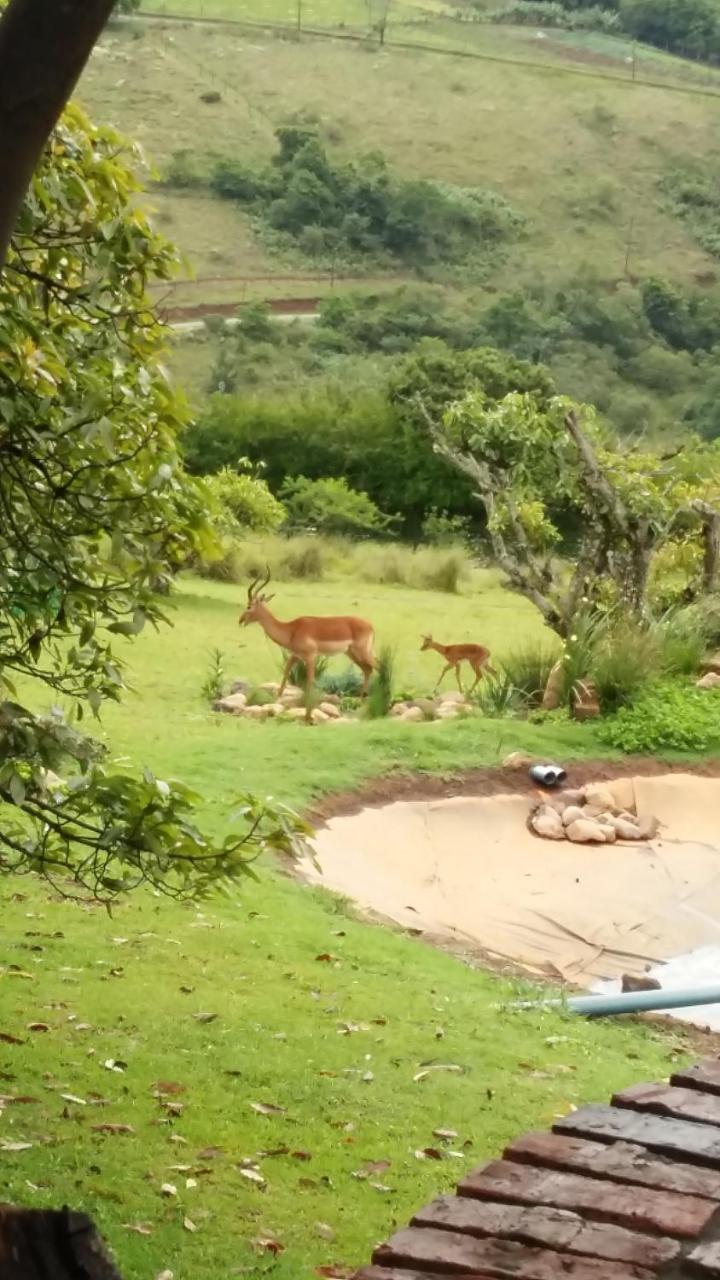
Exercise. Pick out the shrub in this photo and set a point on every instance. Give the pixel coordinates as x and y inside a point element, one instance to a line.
<point>681,637</point>
<point>666,716</point>
<point>380,692</point>
<point>244,502</point>
<point>528,670</point>
<point>213,685</point>
<point>498,696</point>
<point>330,506</point>
<point>437,569</point>
<point>287,558</point>
<point>547,13</point>
<point>621,665</point>
<point>443,529</point>
<point>344,684</point>
<point>303,558</point>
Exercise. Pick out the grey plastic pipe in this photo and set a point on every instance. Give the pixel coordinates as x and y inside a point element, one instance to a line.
<point>630,1001</point>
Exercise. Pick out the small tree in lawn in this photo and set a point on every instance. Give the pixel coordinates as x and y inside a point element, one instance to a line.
<point>529,458</point>
<point>95,511</point>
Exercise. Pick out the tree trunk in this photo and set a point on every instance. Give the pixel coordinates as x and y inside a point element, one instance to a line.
<point>44,45</point>
<point>44,1244</point>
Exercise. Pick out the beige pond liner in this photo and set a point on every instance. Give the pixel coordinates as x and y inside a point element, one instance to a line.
<point>468,870</point>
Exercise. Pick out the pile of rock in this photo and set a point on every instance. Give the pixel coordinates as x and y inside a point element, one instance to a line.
<point>593,814</point>
<point>291,706</point>
<point>444,706</point>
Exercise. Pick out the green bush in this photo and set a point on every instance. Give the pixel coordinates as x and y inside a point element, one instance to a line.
<point>667,716</point>
<point>361,209</point>
<point>287,558</point>
<point>528,670</point>
<point>497,696</point>
<point>244,502</point>
<point>622,663</point>
<point>548,13</point>
<point>380,692</point>
<point>681,638</point>
<point>427,568</point>
<point>330,506</point>
<point>344,684</point>
<point>444,530</point>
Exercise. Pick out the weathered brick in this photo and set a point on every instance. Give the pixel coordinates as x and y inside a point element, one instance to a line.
<point>546,1226</point>
<point>453,1253</point>
<point>683,1138</point>
<point>644,1210</point>
<point>620,1162</point>
<point>705,1260</point>
<point>704,1075</point>
<point>669,1100</point>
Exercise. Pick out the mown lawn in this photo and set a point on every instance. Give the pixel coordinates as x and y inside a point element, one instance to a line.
<point>265,1049</point>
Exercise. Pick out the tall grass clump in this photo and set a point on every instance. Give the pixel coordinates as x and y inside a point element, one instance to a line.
<point>681,636</point>
<point>241,559</point>
<point>528,670</point>
<point>622,662</point>
<point>380,693</point>
<point>426,568</point>
<point>497,696</point>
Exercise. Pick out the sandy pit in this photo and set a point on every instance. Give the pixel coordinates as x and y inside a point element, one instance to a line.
<point>467,871</point>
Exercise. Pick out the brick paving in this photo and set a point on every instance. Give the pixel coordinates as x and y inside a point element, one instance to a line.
<point>629,1191</point>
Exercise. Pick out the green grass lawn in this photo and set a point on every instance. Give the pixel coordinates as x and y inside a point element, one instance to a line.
<point>580,156</point>
<point>336,1043</point>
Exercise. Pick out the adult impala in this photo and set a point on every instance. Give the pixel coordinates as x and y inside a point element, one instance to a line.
<point>475,654</point>
<point>307,638</point>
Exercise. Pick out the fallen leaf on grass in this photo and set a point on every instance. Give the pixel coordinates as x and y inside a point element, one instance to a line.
<point>175,1137</point>
<point>6,1038</point>
<point>168,1189</point>
<point>371,1166</point>
<point>453,1067</point>
<point>267,1109</point>
<point>83,1026</point>
<point>253,1175</point>
<point>380,1186</point>
<point>266,1244</point>
<point>114,1064</point>
<point>70,1097</point>
<point>190,1183</point>
<point>189,1225</point>
<point>439,1033</point>
<point>36,1186</point>
<point>348,1028</point>
<point>187,991</point>
<point>210,1153</point>
<point>164,1088</point>
<point>326,958</point>
<point>324,1231</point>
<point>368,1077</point>
<point>335,1272</point>
<point>301,1155</point>
<point>140,1228</point>
<point>274,1151</point>
<point>16,1099</point>
<point>165,1275</point>
<point>38,1026</point>
<point>15,1146</point>
<point>205,1017</point>
<point>112,1128</point>
<point>429,1153</point>
<point>446,1134</point>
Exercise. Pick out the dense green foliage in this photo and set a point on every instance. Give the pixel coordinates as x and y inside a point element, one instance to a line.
<point>244,502</point>
<point>330,506</point>
<point>694,194</point>
<point>667,716</point>
<point>361,209</point>
<point>550,13</point>
<point>95,513</point>
<point>687,27</point>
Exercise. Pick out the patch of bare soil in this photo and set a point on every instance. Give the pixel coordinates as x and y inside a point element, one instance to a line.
<point>490,781</point>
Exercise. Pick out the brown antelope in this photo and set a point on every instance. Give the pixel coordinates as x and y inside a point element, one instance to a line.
<point>306,638</point>
<point>475,654</point>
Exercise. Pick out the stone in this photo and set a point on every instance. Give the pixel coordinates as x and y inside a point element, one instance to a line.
<point>711,665</point>
<point>274,709</point>
<point>585,831</point>
<point>629,982</point>
<point>623,792</point>
<point>586,705</point>
<point>318,716</point>
<point>698,1143</point>
<point>292,695</point>
<point>413,715</point>
<point>571,796</point>
<point>330,710</point>
<point>648,826</point>
<point>232,705</point>
<point>398,708</point>
<point>270,686</point>
<point>332,698</point>
<point>671,1100</point>
<point>426,705</point>
<point>294,713</point>
<point>619,1162</point>
<point>452,695</point>
<point>608,831</point>
<point>548,824</point>
<point>625,830</point>
<point>256,713</point>
<point>517,760</point>
<point>711,680</point>
<point>573,813</point>
<point>703,1075</point>
<point>447,711</point>
<point>553,688</point>
<point>240,686</point>
<point>600,796</point>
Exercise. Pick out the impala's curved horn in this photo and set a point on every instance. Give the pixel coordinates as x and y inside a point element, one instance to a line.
<point>251,588</point>
<point>265,580</point>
